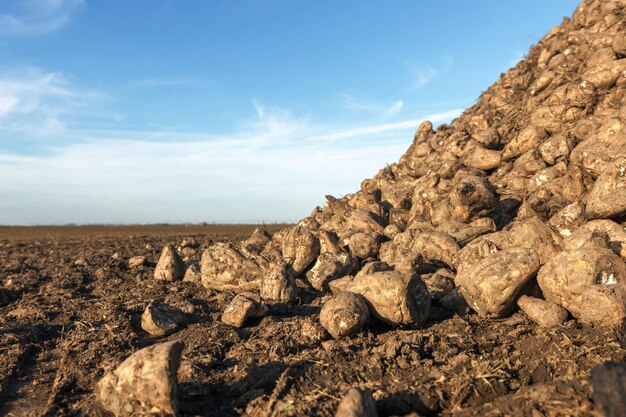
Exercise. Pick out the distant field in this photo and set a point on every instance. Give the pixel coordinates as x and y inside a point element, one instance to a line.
<point>55,232</point>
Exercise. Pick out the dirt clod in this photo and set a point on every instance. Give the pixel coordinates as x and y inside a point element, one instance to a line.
<point>609,389</point>
<point>4,297</point>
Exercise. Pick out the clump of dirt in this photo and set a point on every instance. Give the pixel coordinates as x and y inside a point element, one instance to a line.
<point>518,202</point>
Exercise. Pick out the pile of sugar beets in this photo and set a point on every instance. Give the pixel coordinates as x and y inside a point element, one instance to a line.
<point>518,203</point>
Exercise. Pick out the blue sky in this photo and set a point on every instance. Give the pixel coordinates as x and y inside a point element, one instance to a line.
<point>140,111</point>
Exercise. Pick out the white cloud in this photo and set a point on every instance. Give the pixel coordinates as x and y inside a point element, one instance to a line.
<point>7,103</point>
<point>393,110</point>
<point>272,127</point>
<point>37,17</point>
<point>36,101</point>
<point>357,102</point>
<point>388,127</point>
<point>422,75</point>
<point>274,168</point>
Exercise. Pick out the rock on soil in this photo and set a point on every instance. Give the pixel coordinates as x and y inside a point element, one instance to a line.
<point>144,384</point>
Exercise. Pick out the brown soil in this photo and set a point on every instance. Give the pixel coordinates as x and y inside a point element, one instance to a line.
<point>66,325</point>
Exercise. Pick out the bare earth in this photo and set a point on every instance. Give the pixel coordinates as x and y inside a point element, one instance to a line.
<point>66,324</point>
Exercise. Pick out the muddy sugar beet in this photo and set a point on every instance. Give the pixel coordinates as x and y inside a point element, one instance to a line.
<point>565,277</point>
<point>144,384</point>
<point>543,312</point>
<point>491,285</point>
<point>170,266</point>
<point>330,266</point>
<point>160,319</point>
<point>243,308</point>
<point>279,284</point>
<point>225,267</point>
<point>344,315</point>
<point>396,298</point>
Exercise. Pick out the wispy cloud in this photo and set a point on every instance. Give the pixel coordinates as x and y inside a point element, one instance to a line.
<point>36,101</point>
<point>7,104</point>
<point>36,17</point>
<point>395,109</point>
<point>366,131</point>
<point>273,126</point>
<point>274,167</point>
<point>421,74</point>
<point>357,102</point>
